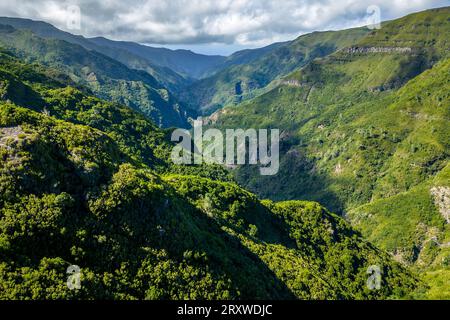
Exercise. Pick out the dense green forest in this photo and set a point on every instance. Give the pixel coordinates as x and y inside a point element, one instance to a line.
<point>105,77</point>
<point>86,177</point>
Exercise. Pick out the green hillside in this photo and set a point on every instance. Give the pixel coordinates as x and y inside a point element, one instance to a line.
<point>414,226</point>
<point>242,57</point>
<point>105,77</point>
<point>365,131</point>
<point>243,81</point>
<point>88,182</point>
<point>164,75</point>
<point>185,62</point>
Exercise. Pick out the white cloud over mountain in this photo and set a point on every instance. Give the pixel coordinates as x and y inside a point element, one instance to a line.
<point>193,22</point>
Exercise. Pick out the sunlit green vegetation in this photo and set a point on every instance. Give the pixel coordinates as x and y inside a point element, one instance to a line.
<point>367,135</point>
<point>87,182</point>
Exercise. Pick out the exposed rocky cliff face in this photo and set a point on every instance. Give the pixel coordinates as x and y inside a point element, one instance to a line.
<point>442,200</point>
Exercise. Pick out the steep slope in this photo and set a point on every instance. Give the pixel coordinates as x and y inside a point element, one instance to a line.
<point>170,79</point>
<point>185,62</point>
<point>360,105</point>
<point>414,226</point>
<point>241,57</point>
<point>107,78</point>
<point>243,81</point>
<point>409,211</point>
<point>365,131</point>
<point>74,190</point>
<point>159,61</point>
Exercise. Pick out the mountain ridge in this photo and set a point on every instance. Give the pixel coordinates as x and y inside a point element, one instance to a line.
<point>365,132</point>
<point>88,182</point>
<point>106,77</point>
<point>238,83</point>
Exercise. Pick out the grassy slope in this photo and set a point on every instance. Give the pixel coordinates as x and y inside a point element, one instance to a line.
<point>242,57</point>
<point>367,132</point>
<point>86,182</point>
<point>107,78</point>
<point>241,82</point>
<point>170,79</point>
<point>410,225</point>
<point>185,62</point>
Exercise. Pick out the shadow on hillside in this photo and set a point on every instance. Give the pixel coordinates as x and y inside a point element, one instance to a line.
<point>297,179</point>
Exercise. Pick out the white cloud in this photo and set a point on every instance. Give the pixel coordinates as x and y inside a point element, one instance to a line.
<point>227,22</point>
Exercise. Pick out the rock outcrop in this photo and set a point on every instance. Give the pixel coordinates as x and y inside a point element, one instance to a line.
<point>442,200</point>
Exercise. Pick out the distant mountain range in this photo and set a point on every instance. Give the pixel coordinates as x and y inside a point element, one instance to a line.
<point>89,183</point>
<point>186,63</point>
<point>364,118</point>
<point>173,71</point>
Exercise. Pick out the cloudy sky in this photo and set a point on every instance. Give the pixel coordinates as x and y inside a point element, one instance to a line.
<point>208,26</point>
